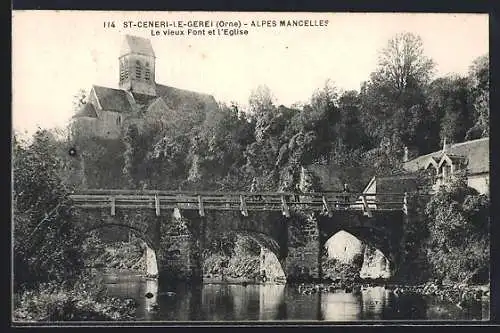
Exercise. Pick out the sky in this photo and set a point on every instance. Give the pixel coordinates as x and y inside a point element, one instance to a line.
<point>57,53</point>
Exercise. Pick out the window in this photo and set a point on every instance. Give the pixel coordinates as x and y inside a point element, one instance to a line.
<point>446,171</point>
<point>147,72</point>
<point>118,120</point>
<point>122,70</point>
<point>138,69</point>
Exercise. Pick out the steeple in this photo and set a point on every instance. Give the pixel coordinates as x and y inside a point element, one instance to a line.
<point>137,66</point>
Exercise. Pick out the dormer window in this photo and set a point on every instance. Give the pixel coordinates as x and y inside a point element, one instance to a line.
<point>447,171</point>
<point>446,168</point>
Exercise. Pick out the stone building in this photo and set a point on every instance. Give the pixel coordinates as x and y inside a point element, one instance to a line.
<point>470,158</point>
<point>107,110</point>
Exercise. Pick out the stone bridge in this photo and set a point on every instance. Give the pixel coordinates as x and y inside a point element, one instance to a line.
<point>293,226</point>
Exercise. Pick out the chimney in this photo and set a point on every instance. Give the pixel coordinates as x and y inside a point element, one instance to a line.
<point>444,145</point>
<point>405,156</point>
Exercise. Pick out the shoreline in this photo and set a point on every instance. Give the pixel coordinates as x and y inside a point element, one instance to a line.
<point>118,272</point>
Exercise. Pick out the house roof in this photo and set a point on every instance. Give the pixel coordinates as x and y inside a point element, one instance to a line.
<point>87,110</point>
<point>111,99</point>
<point>139,45</point>
<point>476,152</point>
<point>396,184</point>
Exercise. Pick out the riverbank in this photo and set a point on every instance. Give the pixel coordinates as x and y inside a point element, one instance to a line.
<point>84,300</point>
<point>459,294</point>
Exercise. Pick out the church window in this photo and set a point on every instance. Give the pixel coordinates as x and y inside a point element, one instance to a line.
<point>147,73</point>
<point>138,69</point>
<point>123,70</point>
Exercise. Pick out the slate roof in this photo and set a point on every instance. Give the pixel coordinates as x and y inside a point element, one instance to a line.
<point>396,184</point>
<point>118,100</point>
<point>87,110</point>
<point>134,44</point>
<point>175,97</point>
<point>476,152</point>
<point>112,99</point>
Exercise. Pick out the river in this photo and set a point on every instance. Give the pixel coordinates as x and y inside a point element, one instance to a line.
<point>233,302</point>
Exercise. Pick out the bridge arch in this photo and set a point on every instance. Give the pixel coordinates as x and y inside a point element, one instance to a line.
<point>149,250</point>
<point>367,257</point>
<point>381,231</point>
<point>137,232</point>
<point>265,248</point>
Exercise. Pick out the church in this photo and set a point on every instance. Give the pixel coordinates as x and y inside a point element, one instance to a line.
<point>107,110</point>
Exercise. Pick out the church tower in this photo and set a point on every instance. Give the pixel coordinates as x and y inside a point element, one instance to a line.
<point>137,66</point>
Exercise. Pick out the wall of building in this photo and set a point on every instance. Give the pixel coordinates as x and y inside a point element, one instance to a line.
<point>109,124</point>
<point>479,182</point>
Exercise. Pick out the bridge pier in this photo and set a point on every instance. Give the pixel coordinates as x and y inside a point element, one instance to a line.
<point>304,249</point>
<point>181,247</point>
<point>295,238</point>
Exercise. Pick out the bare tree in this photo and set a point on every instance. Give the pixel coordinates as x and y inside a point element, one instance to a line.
<point>79,99</point>
<point>403,62</point>
<point>261,100</point>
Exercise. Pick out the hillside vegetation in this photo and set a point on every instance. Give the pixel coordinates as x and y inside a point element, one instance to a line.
<point>266,147</point>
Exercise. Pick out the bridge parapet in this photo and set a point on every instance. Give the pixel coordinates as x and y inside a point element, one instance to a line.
<point>324,202</point>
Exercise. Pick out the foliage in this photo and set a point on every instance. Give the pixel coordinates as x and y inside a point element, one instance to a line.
<point>222,244</point>
<point>123,255</point>
<point>413,257</point>
<point>53,302</point>
<point>46,243</point>
<point>480,91</point>
<point>403,62</point>
<point>334,269</point>
<point>459,232</point>
<point>357,134</point>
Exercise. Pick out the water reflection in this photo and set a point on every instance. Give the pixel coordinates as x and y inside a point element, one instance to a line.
<point>223,302</point>
<point>271,302</point>
<point>341,306</point>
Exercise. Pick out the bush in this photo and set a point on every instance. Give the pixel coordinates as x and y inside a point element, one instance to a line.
<point>83,301</point>
<point>334,269</point>
<point>458,222</point>
<point>47,246</point>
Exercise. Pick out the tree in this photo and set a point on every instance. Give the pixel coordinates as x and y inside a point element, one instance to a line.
<point>393,100</point>
<point>458,223</point>
<point>350,130</point>
<point>263,109</point>
<point>130,168</point>
<point>480,90</point>
<point>79,99</point>
<point>46,243</point>
<point>449,102</point>
<point>403,64</point>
